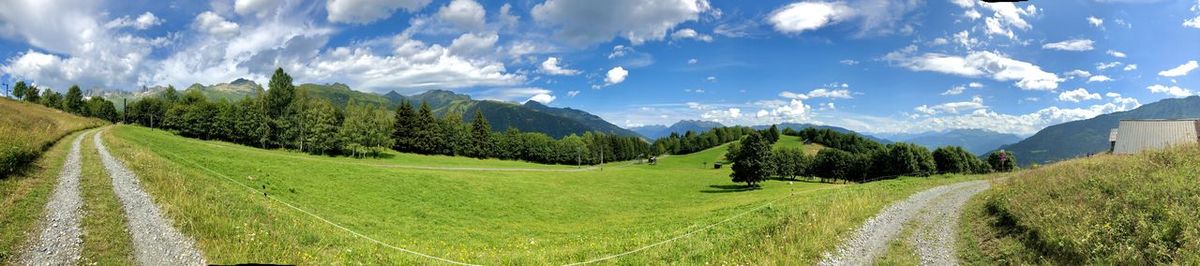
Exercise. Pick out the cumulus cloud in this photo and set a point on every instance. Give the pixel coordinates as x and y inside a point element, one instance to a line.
<point>956,90</point>
<point>978,64</point>
<point>1174,91</point>
<point>1131,67</point>
<point>144,21</point>
<point>551,66</point>
<point>615,76</point>
<point>1078,95</point>
<point>688,33</point>
<point>1099,78</point>
<point>365,11</point>
<point>572,93</point>
<point>474,44</point>
<point>804,16</point>
<point>1095,21</point>
<point>931,119</point>
<point>1103,66</point>
<point>1181,70</point>
<point>1078,73</point>
<point>1115,53</point>
<point>465,14</point>
<point>519,95</point>
<point>542,98</point>
<point>819,93</point>
<point>589,22</point>
<point>211,23</point>
<point>1076,45</point>
<point>952,107</point>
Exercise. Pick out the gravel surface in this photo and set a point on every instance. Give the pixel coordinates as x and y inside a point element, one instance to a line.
<point>59,242</point>
<point>871,241</point>
<point>936,226</point>
<point>155,241</point>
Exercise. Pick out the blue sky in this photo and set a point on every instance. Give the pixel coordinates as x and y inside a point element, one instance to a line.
<point>870,65</point>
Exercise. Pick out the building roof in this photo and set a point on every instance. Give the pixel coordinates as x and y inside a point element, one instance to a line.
<point>1133,136</point>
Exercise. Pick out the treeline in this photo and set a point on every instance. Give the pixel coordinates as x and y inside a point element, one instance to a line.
<point>72,102</point>
<point>852,158</point>
<point>290,119</point>
<point>691,141</point>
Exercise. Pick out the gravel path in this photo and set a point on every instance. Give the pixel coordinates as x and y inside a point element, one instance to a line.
<point>933,207</point>
<point>59,242</point>
<point>155,241</point>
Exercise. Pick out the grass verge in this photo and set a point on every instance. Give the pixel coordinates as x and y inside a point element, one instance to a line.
<point>1138,209</point>
<point>26,130</point>
<point>105,239</point>
<point>23,199</point>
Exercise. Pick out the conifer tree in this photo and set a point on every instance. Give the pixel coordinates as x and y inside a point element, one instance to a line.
<point>426,131</point>
<point>73,101</point>
<point>481,136</point>
<point>403,129</point>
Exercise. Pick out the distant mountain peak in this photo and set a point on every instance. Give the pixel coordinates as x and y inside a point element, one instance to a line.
<point>242,81</point>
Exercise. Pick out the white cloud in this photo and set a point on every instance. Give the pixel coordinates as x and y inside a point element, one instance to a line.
<point>688,33</point>
<point>211,23</point>
<point>1193,22</point>
<point>1078,73</point>
<point>1099,78</point>
<point>1095,21</point>
<point>1112,95</point>
<point>819,93</point>
<point>979,64</point>
<point>956,90</point>
<point>474,44</point>
<point>964,38</point>
<point>615,76</point>
<point>1103,66</point>
<point>1131,67</point>
<point>952,107</point>
<point>1181,70</point>
<point>366,11</point>
<point>849,62</point>
<point>804,16</point>
<point>465,14</point>
<point>1174,91</point>
<point>1078,95</point>
<point>1115,53</point>
<point>543,98</point>
<point>620,51</point>
<point>144,21</point>
<point>693,61</point>
<point>589,22</point>
<point>975,85</point>
<point>572,93</point>
<point>551,66</point>
<point>1075,45</point>
<point>711,79</point>
<point>1005,17</point>
<point>260,8</point>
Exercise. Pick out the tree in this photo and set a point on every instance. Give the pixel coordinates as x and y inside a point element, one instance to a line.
<point>455,135</point>
<point>18,90</point>
<point>955,159</point>
<point>170,95</point>
<point>402,132</point>
<point>73,101</point>
<point>98,107</point>
<point>1002,161</point>
<point>772,134</point>
<point>904,159</point>
<point>789,162</point>
<point>280,94</point>
<point>752,162</point>
<point>481,137</point>
<point>51,99</point>
<point>321,126</point>
<point>426,132</point>
<point>31,95</point>
<point>365,130</point>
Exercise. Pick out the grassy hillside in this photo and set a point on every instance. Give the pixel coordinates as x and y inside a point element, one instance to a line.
<point>794,141</point>
<point>1123,210</point>
<point>341,95</point>
<point>28,129</point>
<point>221,195</point>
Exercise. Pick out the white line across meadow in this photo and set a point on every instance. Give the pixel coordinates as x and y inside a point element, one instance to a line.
<point>445,260</point>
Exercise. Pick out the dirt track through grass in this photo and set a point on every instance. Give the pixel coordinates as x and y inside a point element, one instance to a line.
<point>60,239</point>
<point>155,241</point>
<point>935,212</point>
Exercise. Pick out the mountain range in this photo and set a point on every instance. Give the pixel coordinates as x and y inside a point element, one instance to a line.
<point>681,127</point>
<point>977,141</point>
<point>1079,138</point>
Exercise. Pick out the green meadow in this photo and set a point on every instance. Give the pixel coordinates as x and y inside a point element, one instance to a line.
<point>233,200</point>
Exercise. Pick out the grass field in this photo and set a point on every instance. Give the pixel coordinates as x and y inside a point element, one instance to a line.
<point>793,141</point>
<point>487,217</point>
<point>1123,210</point>
<point>23,198</point>
<point>27,129</point>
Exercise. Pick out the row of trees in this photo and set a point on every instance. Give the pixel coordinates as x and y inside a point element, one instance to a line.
<point>290,119</point>
<point>73,102</point>
<point>754,161</point>
<point>691,141</point>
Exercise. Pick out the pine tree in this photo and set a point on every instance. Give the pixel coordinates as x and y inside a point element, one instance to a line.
<point>481,136</point>
<point>281,93</point>
<point>426,131</point>
<point>456,136</point>
<point>772,134</point>
<point>402,131</point>
<point>73,101</point>
<point>170,95</point>
<point>752,161</point>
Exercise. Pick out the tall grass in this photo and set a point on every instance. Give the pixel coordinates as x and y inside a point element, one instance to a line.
<point>1140,209</point>
<point>26,130</point>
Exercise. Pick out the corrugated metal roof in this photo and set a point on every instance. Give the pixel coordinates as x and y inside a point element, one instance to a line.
<point>1137,135</point>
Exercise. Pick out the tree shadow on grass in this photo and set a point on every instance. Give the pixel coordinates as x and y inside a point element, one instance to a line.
<point>729,188</point>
